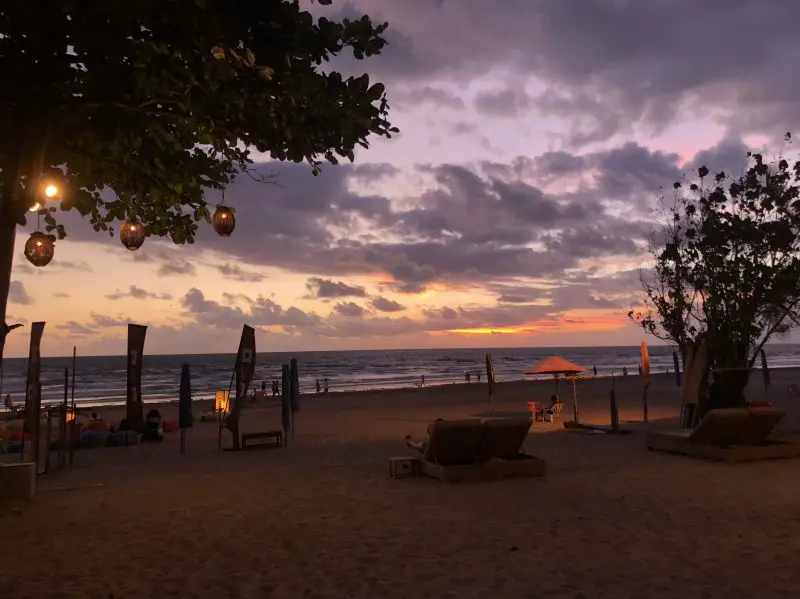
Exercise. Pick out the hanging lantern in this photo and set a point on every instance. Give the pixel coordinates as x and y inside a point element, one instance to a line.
<point>132,235</point>
<point>40,248</point>
<point>224,221</point>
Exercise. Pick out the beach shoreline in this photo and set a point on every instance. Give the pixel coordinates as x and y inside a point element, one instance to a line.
<point>388,391</point>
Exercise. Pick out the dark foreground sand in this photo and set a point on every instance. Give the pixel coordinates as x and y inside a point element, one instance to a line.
<point>321,518</point>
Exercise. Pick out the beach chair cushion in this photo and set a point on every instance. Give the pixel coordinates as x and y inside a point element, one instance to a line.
<point>454,443</point>
<point>503,437</point>
<point>728,427</point>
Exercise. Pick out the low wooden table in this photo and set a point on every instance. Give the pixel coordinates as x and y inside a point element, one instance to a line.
<point>269,439</point>
<point>404,467</point>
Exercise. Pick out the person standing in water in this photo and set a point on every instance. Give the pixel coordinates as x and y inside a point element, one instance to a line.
<point>318,388</point>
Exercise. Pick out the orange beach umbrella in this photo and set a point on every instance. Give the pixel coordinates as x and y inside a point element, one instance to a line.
<point>555,365</point>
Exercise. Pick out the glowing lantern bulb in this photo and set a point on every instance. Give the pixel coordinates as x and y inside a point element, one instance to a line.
<point>51,191</point>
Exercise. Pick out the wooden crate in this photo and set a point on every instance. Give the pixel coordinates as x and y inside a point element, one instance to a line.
<point>403,467</point>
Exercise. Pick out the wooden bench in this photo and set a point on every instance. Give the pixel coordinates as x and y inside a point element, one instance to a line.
<point>270,439</point>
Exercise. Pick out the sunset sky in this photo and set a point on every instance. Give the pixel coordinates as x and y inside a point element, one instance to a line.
<point>512,209</point>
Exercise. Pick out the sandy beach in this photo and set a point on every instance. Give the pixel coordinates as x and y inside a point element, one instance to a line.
<point>321,518</point>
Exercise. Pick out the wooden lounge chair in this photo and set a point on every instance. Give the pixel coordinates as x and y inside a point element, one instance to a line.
<point>454,442</point>
<point>502,448</point>
<point>470,450</point>
<point>728,435</point>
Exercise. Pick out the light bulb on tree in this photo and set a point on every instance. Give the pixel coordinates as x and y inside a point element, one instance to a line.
<point>50,191</point>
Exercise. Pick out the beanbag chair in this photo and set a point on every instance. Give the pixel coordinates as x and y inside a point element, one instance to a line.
<point>123,439</point>
<point>13,447</point>
<point>97,425</point>
<point>92,439</point>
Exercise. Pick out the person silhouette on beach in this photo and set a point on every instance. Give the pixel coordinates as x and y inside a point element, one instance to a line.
<point>264,388</point>
<point>422,381</point>
<point>421,446</point>
<point>478,376</point>
<point>325,383</point>
<point>318,389</point>
<point>624,371</point>
<point>594,370</point>
<point>467,377</point>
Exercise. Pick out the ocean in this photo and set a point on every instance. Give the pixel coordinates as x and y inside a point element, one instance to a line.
<point>100,380</point>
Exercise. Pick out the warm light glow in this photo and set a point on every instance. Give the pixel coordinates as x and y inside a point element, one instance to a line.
<point>51,191</point>
<point>492,330</point>
<point>574,321</point>
<point>222,403</point>
<point>70,416</point>
<point>35,207</point>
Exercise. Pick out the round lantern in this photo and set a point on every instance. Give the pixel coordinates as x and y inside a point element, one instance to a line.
<point>224,221</point>
<point>131,235</point>
<point>40,248</point>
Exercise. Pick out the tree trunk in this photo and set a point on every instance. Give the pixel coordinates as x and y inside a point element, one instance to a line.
<point>8,230</point>
<point>727,391</point>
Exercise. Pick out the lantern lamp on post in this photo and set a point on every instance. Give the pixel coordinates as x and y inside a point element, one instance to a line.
<point>132,235</point>
<point>40,248</point>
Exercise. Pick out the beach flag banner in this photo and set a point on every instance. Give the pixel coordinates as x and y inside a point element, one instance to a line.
<point>134,410</point>
<point>33,389</point>
<point>646,378</point>
<point>490,378</point>
<point>286,399</point>
<point>645,364</point>
<point>294,372</point>
<point>185,419</point>
<point>245,362</point>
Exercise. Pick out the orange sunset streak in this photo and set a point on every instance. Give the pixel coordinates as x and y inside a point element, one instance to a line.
<point>575,321</point>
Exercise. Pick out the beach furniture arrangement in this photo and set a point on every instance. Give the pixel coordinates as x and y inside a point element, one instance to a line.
<point>472,450</point>
<point>729,435</point>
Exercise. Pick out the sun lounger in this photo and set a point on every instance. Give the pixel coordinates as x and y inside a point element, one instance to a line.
<point>470,450</point>
<point>728,435</point>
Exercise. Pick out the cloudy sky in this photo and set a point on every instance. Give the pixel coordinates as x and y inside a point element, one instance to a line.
<point>510,211</point>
